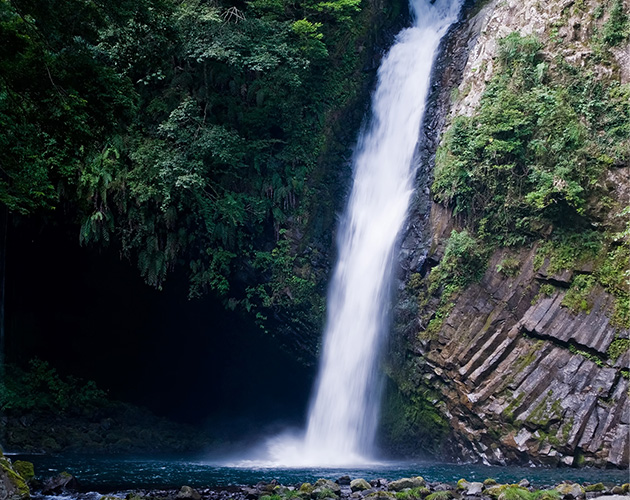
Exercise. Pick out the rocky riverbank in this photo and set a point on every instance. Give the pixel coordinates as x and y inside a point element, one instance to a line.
<point>18,481</point>
<point>412,488</point>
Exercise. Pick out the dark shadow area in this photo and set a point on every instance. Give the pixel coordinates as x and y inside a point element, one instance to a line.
<point>90,315</point>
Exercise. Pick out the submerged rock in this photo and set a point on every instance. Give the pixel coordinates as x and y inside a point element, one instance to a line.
<point>188,493</point>
<point>61,483</point>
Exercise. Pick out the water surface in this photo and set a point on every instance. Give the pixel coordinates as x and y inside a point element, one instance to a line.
<point>119,473</point>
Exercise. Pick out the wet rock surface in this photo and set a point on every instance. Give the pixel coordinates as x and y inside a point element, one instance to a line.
<point>524,379</point>
<point>514,374</point>
<point>489,490</point>
<point>12,485</point>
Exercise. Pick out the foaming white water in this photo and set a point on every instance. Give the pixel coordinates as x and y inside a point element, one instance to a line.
<point>344,411</point>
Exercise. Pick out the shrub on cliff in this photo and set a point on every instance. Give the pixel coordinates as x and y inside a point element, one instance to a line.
<point>535,153</point>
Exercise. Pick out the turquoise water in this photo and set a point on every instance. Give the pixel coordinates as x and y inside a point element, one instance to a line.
<point>117,473</point>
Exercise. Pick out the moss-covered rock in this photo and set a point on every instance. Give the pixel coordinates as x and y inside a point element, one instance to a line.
<point>406,483</point>
<point>413,493</point>
<point>440,495</point>
<point>359,485</point>
<point>514,492</point>
<point>12,485</point>
<point>325,488</point>
<point>570,490</point>
<point>24,469</point>
<point>380,495</point>
<point>595,487</point>
<point>306,488</point>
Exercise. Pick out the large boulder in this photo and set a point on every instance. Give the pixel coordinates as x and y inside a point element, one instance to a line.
<point>12,485</point>
<point>61,483</point>
<point>570,491</point>
<point>325,487</point>
<point>471,489</point>
<point>359,485</point>
<point>406,483</point>
<point>380,495</point>
<point>24,469</point>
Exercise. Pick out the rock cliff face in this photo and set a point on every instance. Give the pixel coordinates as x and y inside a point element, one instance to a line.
<point>510,368</point>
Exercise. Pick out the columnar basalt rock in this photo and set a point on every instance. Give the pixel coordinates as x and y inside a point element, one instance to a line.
<point>518,375</point>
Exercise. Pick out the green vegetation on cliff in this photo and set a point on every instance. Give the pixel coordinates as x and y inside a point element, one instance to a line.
<point>532,164</point>
<point>532,169</point>
<point>535,154</point>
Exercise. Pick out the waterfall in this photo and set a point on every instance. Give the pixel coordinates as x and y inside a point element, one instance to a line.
<point>344,410</point>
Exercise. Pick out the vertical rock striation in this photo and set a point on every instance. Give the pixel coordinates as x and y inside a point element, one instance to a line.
<point>509,366</point>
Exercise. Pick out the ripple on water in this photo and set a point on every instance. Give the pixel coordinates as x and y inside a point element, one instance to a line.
<point>118,473</point>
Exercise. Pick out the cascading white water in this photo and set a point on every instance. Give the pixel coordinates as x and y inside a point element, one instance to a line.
<point>344,410</point>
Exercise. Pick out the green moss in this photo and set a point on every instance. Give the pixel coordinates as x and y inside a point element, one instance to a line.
<point>271,497</point>
<point>24,469</point>
<point>546,495</point>
<point>508,413</point>
<point>380,495</point>
<point>617,348</point>
<point>15,479</point>
<point>595,487</point>
<point>546,290</point>
<point>509,266</point>
<point>413,493</point>
<point>440,495</point>
<point>546,412</point>
<point>494,491</point>
<point>566,429</point>
<point>527,359</point>
<point>433,328</point>
<point>513,492</point>
<point>409,418</point>
<point>489,482</point>
<point>577,298</point>
<point>414,284</point>
<point>306,488</point>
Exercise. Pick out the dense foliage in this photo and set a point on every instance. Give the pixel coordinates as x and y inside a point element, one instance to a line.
<point>535,154</point>
<point>534,164</point>
<point>40,388</point>
<point>186,133</point>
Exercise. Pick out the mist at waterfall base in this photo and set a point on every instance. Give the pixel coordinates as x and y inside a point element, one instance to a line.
<point>343,414</point>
